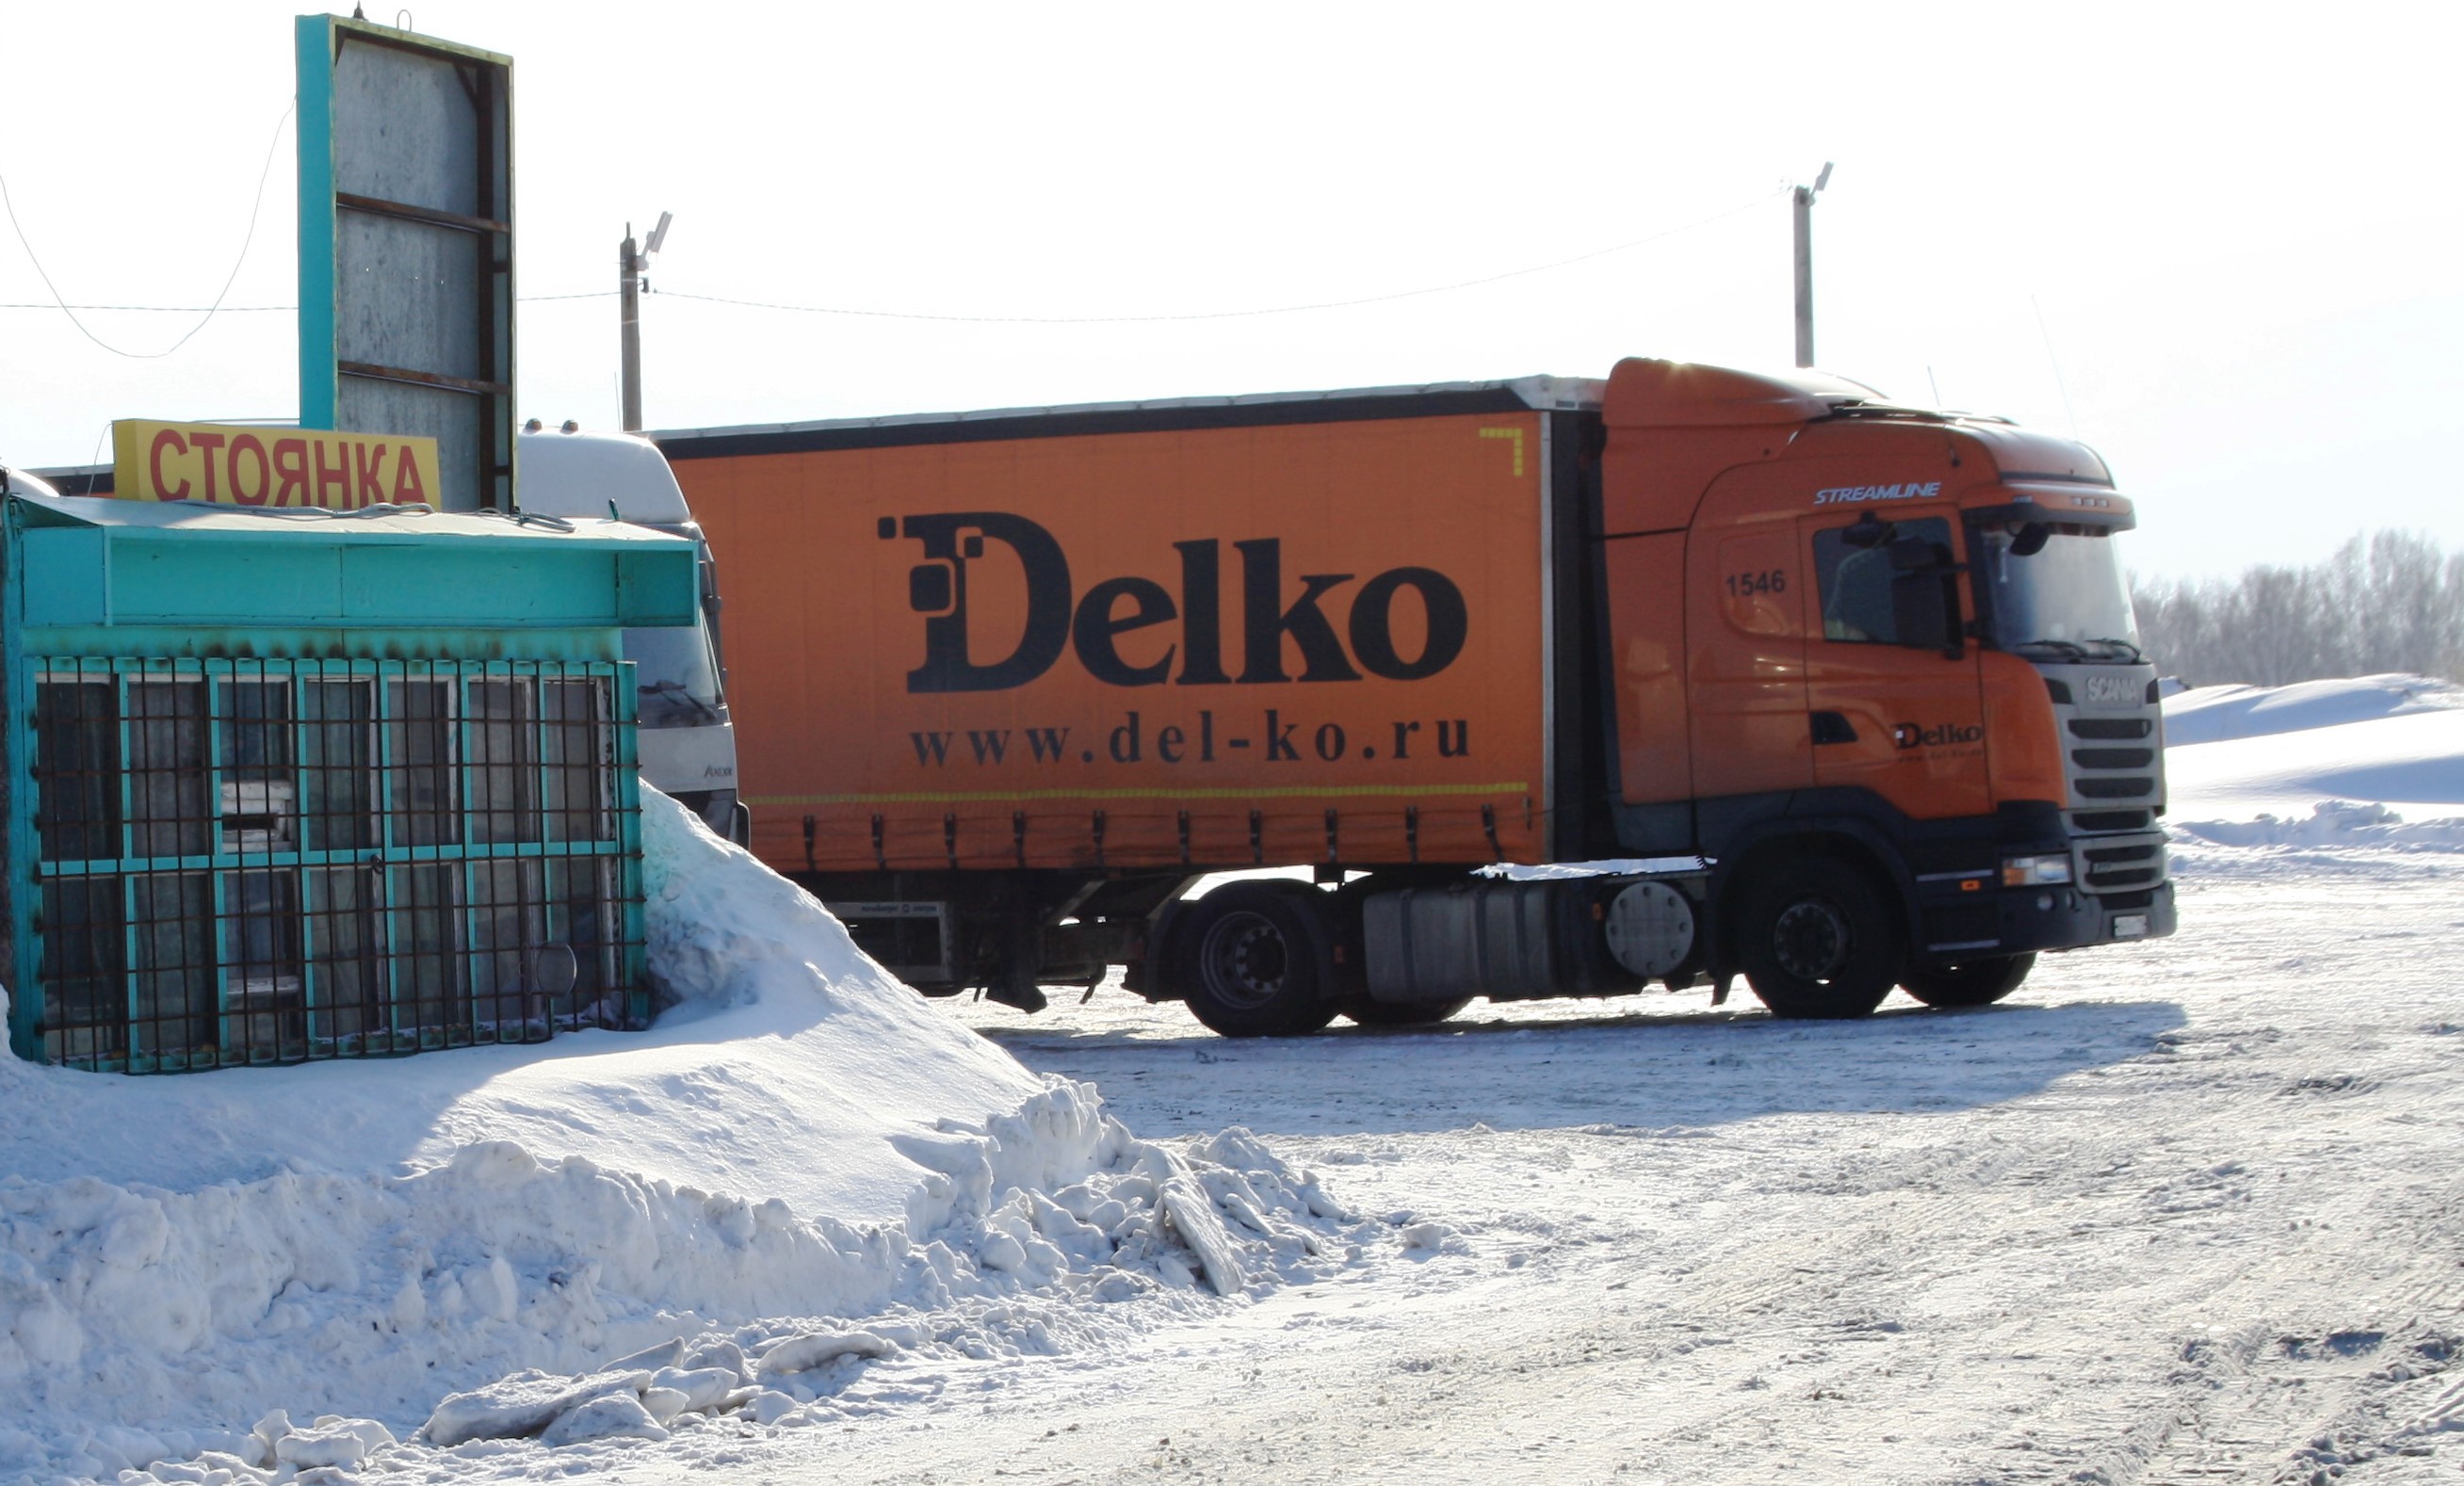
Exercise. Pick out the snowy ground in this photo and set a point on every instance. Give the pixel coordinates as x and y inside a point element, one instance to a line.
<point>2186,1211</point>
<point>2173,1215</point>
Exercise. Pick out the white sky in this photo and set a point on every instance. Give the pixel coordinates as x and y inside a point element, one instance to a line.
<point>2237,224</point>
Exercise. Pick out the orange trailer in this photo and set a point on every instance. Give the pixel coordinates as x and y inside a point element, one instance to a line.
<point>1007,683</point>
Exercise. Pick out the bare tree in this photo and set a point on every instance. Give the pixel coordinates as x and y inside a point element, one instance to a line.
<point>2392,602</point>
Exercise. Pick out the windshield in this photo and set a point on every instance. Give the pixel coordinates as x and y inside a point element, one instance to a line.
<point>2066,598</point>
<point>678,684</point>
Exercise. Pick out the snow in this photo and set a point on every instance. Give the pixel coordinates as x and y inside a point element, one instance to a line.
<point>788,1066</point>
<point>2371,762</point>
<point>2213,715</point>
<point>2183,1211</point>
<point>2180,1209</point>
<point>425,1252</point>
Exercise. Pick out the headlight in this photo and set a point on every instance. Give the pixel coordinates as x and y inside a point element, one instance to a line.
<point>2034,871</point>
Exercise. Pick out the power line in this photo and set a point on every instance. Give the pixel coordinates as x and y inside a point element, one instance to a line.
<point>249,309</point>
<point>1226,314</point>
<point>1044,319</point>
<point>150,309</point>
<point>61,301</point>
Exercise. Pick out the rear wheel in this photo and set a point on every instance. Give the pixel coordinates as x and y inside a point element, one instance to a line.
<point>1251,964</point>
<point>1417,1013</point>
<point>1969,983</point>
<point>1819,939</point>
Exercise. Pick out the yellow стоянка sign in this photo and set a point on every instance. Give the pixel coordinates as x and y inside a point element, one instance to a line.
<point>229,466</point>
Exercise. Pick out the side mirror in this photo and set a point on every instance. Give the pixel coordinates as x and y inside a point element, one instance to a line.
<point>1925,597</point>
<point>1916,555</point>
<point>1918,617</point>
<point>2031,539</point>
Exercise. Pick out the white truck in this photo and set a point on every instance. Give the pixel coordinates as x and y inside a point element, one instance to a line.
<point>686,740</point>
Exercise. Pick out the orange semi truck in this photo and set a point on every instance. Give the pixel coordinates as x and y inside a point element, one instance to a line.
<point>1835,693</point>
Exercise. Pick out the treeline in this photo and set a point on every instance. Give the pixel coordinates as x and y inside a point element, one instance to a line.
<point>2391,602</point>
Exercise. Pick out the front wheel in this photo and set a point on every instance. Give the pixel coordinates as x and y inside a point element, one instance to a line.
<point>1819,940</point>
<point>1251,964</point>
<point>1969,983</point>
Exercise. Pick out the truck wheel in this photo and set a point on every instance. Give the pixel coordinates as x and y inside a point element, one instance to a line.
<point>1385,1013</point>
<point>1969,983</point>
<point>1251,965</point>
<point>1819,940</point>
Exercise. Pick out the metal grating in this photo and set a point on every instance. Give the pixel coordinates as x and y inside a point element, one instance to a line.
<point>268,861</point>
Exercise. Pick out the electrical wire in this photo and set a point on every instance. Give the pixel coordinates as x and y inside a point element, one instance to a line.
<point>1037,320</point>
<point>1228,315</point>
<point>2047,336</point>
<point>255,207</point>
<point>251,309</point>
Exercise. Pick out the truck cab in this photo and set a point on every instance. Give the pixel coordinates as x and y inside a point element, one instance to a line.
<point>686,738</point>
<point>1908,646</point>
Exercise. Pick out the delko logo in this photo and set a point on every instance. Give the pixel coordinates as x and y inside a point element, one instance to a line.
<point>1059,618</point>
<point>1910,734</point>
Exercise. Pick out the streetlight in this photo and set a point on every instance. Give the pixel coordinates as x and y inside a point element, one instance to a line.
<point>1803,199</point>
<point>630,264</point>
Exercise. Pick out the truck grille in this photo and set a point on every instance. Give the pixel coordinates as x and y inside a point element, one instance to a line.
<point>2113,764</point>
<point>2113,820</point>
<point>2115,787</point>
<point>2139,865</point>
<point>2111,727</point>
<point>2113,757</point>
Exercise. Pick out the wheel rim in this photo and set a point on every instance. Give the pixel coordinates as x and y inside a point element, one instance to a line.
<point>1245,959</point>
<point>1811,940</point>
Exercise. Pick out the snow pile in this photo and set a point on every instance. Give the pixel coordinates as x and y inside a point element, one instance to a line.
<point>801,1173</point>
<point>2375,761</point>
<point>2333,822</point>
<point>2216,714</point>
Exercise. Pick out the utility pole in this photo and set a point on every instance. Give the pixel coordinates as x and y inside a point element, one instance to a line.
<point>1802,199</point>
<point>630,264</point>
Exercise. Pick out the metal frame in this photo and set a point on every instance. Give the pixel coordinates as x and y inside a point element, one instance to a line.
<point>326,376</point>
<point>378,842</point>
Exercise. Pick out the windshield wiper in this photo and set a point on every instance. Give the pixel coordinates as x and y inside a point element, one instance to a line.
<point>2129,652</point>
<point>668,690</point>
<point>2063,647</point>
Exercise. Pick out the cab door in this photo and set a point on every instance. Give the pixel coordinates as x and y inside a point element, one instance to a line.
<point>1746,641</point>
<point>1891,707</point>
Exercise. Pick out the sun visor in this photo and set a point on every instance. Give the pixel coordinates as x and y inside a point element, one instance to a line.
<point>2074,505</point>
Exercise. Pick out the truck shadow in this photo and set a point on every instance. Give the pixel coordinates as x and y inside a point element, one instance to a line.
<point>1670,1069</point>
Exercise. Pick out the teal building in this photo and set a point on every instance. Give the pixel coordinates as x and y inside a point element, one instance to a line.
<point>283,785</point>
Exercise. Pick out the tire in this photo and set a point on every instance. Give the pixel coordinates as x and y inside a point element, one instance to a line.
<point>1253,964</point>
<point>1820,940</point>
<point>1969,983</point>
<point>1420,1014</point>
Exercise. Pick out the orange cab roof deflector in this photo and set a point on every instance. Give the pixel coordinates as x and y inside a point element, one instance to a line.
<point>1654,394</point>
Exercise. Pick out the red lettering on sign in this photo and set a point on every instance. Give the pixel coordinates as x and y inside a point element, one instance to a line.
<point>338,476</point>
<point>205,444</point>
<point>291,465</point>
<point>246,492</point>
<point>368,459</point>
<point>407,488</point>
<point>154,464</point>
